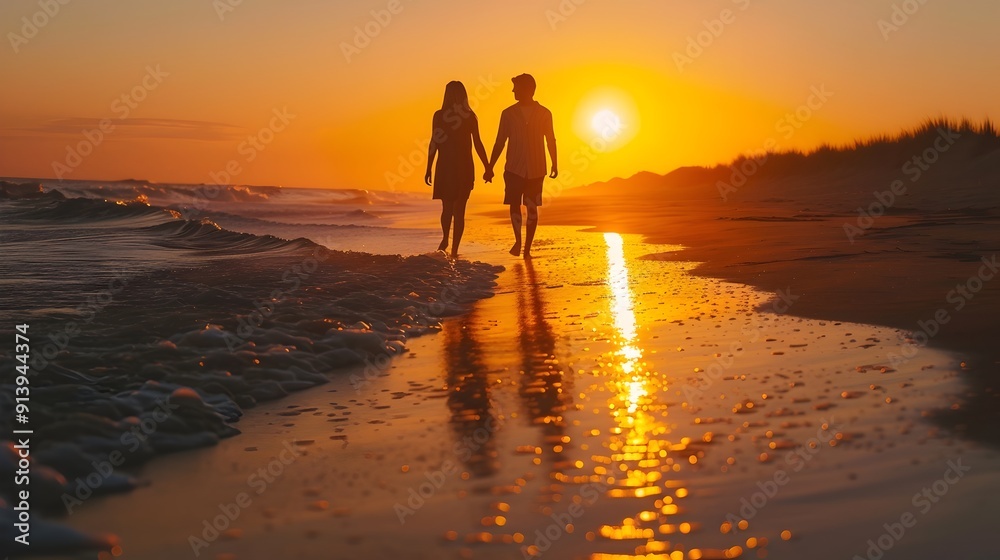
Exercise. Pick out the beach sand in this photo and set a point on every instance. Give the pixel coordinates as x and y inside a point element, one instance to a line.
<point>899,232</point>
<point>605,404</point>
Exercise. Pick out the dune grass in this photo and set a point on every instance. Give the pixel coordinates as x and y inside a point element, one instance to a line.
<point>879,148</point>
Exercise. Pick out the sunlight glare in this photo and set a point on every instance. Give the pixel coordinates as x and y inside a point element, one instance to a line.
<point>621,295</point>
<point>624,319</point>
<point>607,124</point>
<point>606,119</point>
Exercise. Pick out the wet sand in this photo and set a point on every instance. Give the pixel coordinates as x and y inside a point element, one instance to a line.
<point>897,233</point>
<point>603,405</point>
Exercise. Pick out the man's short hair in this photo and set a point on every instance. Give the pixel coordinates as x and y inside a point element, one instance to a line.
<point>526,81</point>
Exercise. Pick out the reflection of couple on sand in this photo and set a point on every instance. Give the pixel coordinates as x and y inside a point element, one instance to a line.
<point>525,126</point>
<point>472,359</point>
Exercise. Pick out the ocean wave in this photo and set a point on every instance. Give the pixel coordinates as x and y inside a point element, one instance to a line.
<point>33,203</point>
<point>186,351</point>
<point>206,235</point>
<point>18,191</point>
<point>204,323</point>
<point>169,229</point>
<point>163,193</point>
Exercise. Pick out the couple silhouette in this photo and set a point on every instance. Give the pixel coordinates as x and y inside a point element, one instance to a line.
<point>525,129</point>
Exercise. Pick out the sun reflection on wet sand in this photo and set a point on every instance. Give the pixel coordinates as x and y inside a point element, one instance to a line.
<point>622,446</point>
<point>637,443</point>
<point>626,481</point>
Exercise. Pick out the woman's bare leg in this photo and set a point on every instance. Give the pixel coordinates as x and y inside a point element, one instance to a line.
<point>446,212</point>
<point>458,211</point>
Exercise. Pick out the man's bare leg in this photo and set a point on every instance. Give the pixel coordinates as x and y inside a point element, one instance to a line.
<point>530,229</point>
<point>515,222</point>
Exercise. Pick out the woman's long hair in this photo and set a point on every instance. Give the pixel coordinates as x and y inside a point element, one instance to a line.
<point>456,99</point>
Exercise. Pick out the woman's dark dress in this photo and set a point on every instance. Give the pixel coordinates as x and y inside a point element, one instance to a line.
<point>454,172</point>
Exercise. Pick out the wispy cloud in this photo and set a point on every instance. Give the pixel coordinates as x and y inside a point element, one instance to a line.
<point>134,128</point>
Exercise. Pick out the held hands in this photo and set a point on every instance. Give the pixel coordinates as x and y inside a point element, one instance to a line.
<point>488,174</point>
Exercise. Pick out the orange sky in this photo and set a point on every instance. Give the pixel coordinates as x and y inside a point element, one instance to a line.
<point>201,76</point>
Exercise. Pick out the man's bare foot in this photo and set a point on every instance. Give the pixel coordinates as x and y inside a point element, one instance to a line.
<point>443,245</point>
<point>454,254</point>
<point>516,249</point>
<point>527,252</point>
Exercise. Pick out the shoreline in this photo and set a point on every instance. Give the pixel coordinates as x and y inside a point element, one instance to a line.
<point>178,327</point>
<point>935,277</point>
<point>541,370</point>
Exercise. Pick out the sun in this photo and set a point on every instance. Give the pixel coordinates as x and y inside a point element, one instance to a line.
<point>607,124</point>
<point>606,119</point>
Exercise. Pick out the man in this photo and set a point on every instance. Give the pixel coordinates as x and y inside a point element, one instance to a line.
<point>528,127</point>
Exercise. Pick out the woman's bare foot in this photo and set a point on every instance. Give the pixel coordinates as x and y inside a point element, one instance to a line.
<point>454,253</point>
<point>527,252</point>
<point>516,249</point>
<point>443,245</point>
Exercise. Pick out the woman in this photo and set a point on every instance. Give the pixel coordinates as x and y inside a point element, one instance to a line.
<point>454,131</point>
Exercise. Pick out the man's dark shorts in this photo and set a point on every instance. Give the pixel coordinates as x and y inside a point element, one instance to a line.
<point>518,190</point>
